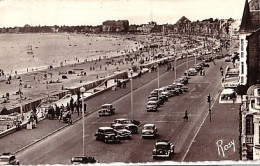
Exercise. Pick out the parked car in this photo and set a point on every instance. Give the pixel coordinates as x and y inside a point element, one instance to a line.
<point>190,72</point>
<point>83,160</point>
<point>122,131</point>
<point>106,110</point>
<point>155,94</point>
<point>156,100</point>
<point>151,106</point>
<point>8,159</point>
<point>198,67</point>
<point>107,134</point>
<point>204,64</point>
<point>227,59</point>
<point>128,123</point>
<point>149,130</point>
<point>163,148</point>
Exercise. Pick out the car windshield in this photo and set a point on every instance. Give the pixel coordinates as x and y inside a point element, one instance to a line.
<point>126,122</point>
<point>119,127</point>
<point>4,160</point>
<point>151,104</point>
<point>105,106</point>
<point>109,131</point>
<point>163,147</point>
<point>148,128</point>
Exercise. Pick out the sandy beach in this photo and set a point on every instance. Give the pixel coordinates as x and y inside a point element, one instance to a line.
<point>30,52</point>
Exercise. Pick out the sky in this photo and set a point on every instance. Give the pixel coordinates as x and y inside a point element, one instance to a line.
<point>94,12</point>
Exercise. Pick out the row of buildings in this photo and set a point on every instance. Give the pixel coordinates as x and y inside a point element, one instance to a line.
<point>183,25</point>
<point>249,78</point>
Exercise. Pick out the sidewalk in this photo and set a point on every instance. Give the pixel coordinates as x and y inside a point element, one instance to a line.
<point>214,135</point>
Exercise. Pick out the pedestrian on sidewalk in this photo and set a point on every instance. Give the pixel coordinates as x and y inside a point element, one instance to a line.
<point>72,105</point>
<point>85,107</point>
<point>77,108</point>
<point>57,111</point>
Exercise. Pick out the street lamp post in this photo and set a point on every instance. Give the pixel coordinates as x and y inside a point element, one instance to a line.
<point>175,68</point>
<point>132,103</point>
<point>158,76</point>
<point>82,90</point>
<point>20,93</point>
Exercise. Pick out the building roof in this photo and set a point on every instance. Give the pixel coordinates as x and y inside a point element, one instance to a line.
<point>183,20</point>
<point>246,24</point>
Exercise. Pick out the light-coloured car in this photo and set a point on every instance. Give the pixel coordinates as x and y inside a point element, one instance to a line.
<point>149,130</point>
<point>122,131</point>
<point>8,159</point>
<point>128,123</point>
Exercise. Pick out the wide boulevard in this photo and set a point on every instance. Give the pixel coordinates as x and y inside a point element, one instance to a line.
<point>67,143</point>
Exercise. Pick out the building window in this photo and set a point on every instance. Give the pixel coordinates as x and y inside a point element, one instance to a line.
<point>242,54</point>
<point>242,67</point>
<point>242,79</point>
<point>249,125</point>
<point>242,44</point>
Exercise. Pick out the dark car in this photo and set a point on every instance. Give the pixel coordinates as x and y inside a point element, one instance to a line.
<point>163,149</point>
<point>127,123</point>
<point>106,110</point>
<point>8,159</point>
<point>204,64</point>
<point>107,134</point>
<point>83,160</point>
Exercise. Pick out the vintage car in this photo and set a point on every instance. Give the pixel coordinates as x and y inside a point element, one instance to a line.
<point>122,131</point>
<point>128,123</point>
<point>8,159</point>
<point>149,130</point>
<point>83,160</point>
<point>151,106</point>
<point>107,134</point>
<point>155,100</point>
<point>198,67</point>
<point>190,72</point>
<point>106,110</point>
<point>227,59</point>
<point>163,148</point>
<point>204,64</point>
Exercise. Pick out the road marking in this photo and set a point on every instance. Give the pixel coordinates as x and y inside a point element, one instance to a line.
<point>193,139</point>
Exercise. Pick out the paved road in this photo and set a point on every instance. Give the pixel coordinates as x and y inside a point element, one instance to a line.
<point>60,147</point>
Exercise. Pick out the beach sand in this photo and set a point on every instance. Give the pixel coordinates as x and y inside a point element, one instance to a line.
<point>19,52</point>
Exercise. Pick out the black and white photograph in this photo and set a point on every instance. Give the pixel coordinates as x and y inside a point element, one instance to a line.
<point>129,82</point>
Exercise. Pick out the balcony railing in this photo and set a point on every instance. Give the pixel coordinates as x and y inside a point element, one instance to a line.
<point>249,139</point>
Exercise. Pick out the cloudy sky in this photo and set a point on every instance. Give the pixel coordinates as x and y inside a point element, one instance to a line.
<point>94,12</point>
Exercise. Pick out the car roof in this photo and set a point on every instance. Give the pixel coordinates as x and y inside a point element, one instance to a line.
<point>106,104</point>
<point>105,128</point>
<point>121,119</point>
<point>146,125</point>
<point>118,124</point>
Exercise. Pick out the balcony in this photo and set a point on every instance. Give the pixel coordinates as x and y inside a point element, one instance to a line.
<point>250,139</point>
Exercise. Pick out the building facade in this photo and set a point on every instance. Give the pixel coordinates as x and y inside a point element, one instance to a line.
<point>250,128</point>
<point>249,45</point>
